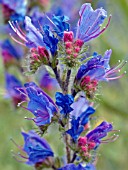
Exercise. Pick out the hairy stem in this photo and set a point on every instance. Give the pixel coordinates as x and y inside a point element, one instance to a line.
<point>74,157</point>
<point>66,84</point>
<point>58,77</point>
<point>67,148</point>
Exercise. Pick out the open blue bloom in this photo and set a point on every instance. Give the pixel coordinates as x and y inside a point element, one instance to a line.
<point>78,123</point>
<point>33,37</point>
<point>89,24</point>
<point>100,132</point>
<point>11,84</point>
<point>64,101</point>
<point>76,129</point>
<point>50,40</point>
<point>40,104</point>
<point>72,166</point>
<point>36,148</point>
<point>80,117</point>
<point>82,110</point>
<point>96,68</point>
<point>61,24</point>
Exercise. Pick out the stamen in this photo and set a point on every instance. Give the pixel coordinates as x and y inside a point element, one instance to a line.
<point>17,40</point>
<point>101,30</point>
<point>20,29</point>
<point>19,147</point>
<point>115,78</point>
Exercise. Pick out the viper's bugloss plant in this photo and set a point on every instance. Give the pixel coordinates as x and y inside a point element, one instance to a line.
<point>56,47</point>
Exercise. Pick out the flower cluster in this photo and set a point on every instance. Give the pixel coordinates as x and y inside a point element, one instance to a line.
<point>55,46</point>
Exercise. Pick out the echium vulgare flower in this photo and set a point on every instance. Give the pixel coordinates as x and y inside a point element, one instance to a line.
<point>11,53</point>
<point>95,70</point>
<point>64,101</point>
<point>93,139</point>
<point>79,117</point>
<point>36,148</point>
<point>11,84</point>
<point>39,103</point>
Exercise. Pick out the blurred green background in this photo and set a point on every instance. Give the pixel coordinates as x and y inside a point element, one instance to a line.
<point>113,100</point>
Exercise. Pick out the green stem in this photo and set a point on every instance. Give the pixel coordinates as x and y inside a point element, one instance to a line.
<point>66,85</point>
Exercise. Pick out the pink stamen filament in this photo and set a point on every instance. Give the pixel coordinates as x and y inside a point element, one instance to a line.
<point>114,78</point>
<point>17,31</point>
<point>110,140</point>
<point>116,68</point>
<point>18,27</point>
<point>19,147</point>
<point>101,30</point>
<point>93,26</point>
<point>17,40</point>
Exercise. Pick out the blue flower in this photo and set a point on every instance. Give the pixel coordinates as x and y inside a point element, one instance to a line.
<point>72,166</point>
<point>12,83</point>
<point>80,117</point>
<point>40,104</point>
<point>76,129</point>
<point>100,132</point>
<point>82,110</point>
<point>50,40</point>
<point>89,24</point>
<point>96,67</point>
<point>61,24</point>
<point>36,148</point>
<point>64,101</point>
<point>33,37</point>
<point>10,50</point>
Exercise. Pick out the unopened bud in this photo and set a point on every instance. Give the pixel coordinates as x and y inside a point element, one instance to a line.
<point>68,36</point>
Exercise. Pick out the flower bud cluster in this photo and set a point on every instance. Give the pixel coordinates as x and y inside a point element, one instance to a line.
<point>38,57</point>
<point>89,86</point>
<point>72,47</point>
<point>85,146</point>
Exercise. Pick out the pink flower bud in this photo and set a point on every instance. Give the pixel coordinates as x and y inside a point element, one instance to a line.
<point>94,82</point>
<point>33,50</point>
<point>82,141</point>
<point>68,36</point>
<point>68,57</point>
<point>86,80</point>
<point>79,43</point>
<point>84,148</point>
<point>77,49</point>
<point>69,51</point>
<point>68,45</point>
<point>89,87</point>
<point>75,55</point>
<point>91,145</point>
